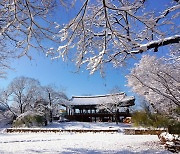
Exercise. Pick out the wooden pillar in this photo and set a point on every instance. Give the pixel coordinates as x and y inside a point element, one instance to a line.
<point>91,113</point>
<point>67,110</point>
<point>112,118</point>
<point>118,120</point>
<point>95,114</point>
<point>82,112</point>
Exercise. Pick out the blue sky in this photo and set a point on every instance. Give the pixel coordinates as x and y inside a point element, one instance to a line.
<point>62,74</point>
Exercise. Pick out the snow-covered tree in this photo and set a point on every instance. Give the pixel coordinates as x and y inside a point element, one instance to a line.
<point>102,31</point>
<point>112,31</point>
<point>5,104</point>
<point>24,24</point>
<point>4,59</point>
<point>115,103</point>
<point>55,99</point>
<point>158,80</point>
<point>26,94</point>
<point>23,92</point>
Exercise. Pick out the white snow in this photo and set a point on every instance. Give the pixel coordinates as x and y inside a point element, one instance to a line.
<point>144,47</point>
<point>169,137</point>
<point>78,143</point>
<point>3,123</point>
<point>88,126</point>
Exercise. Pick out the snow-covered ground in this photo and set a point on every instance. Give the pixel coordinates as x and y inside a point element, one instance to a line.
<point>88,125</point>
<point>85,143</point>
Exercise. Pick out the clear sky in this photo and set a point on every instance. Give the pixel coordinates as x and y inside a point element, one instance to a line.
<point>63,74</point>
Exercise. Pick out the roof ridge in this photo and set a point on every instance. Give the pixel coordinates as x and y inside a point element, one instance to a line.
<point>96,96</point>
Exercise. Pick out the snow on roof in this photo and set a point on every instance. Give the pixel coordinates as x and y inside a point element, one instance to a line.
<point>102,99</point>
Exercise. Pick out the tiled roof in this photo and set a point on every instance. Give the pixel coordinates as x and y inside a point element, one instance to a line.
<point>120,98</point>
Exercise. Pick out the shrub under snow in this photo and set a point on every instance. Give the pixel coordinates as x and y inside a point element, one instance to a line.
<point>30,119</point>
<point>171,141</point>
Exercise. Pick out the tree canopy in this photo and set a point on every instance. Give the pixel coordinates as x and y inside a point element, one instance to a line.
<point>158,81</point>
<point>102,32</point>
<point>112,31</point>
<point>23,93</point>
<point>24,24</point>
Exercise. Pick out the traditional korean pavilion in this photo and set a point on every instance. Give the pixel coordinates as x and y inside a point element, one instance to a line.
<point>110,107</point>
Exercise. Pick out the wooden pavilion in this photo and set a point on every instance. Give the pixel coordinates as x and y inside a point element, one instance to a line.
<point>103,108</point>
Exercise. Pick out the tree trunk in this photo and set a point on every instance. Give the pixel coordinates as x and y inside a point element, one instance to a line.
<point>117,116</point>
<point>50,103</point>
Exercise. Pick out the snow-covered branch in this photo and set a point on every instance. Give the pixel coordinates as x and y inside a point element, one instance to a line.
<point>114,31</point>
<point>156,44</point>
<point>24,25</point>
<point>158,81</point>
<point>26,94</point>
